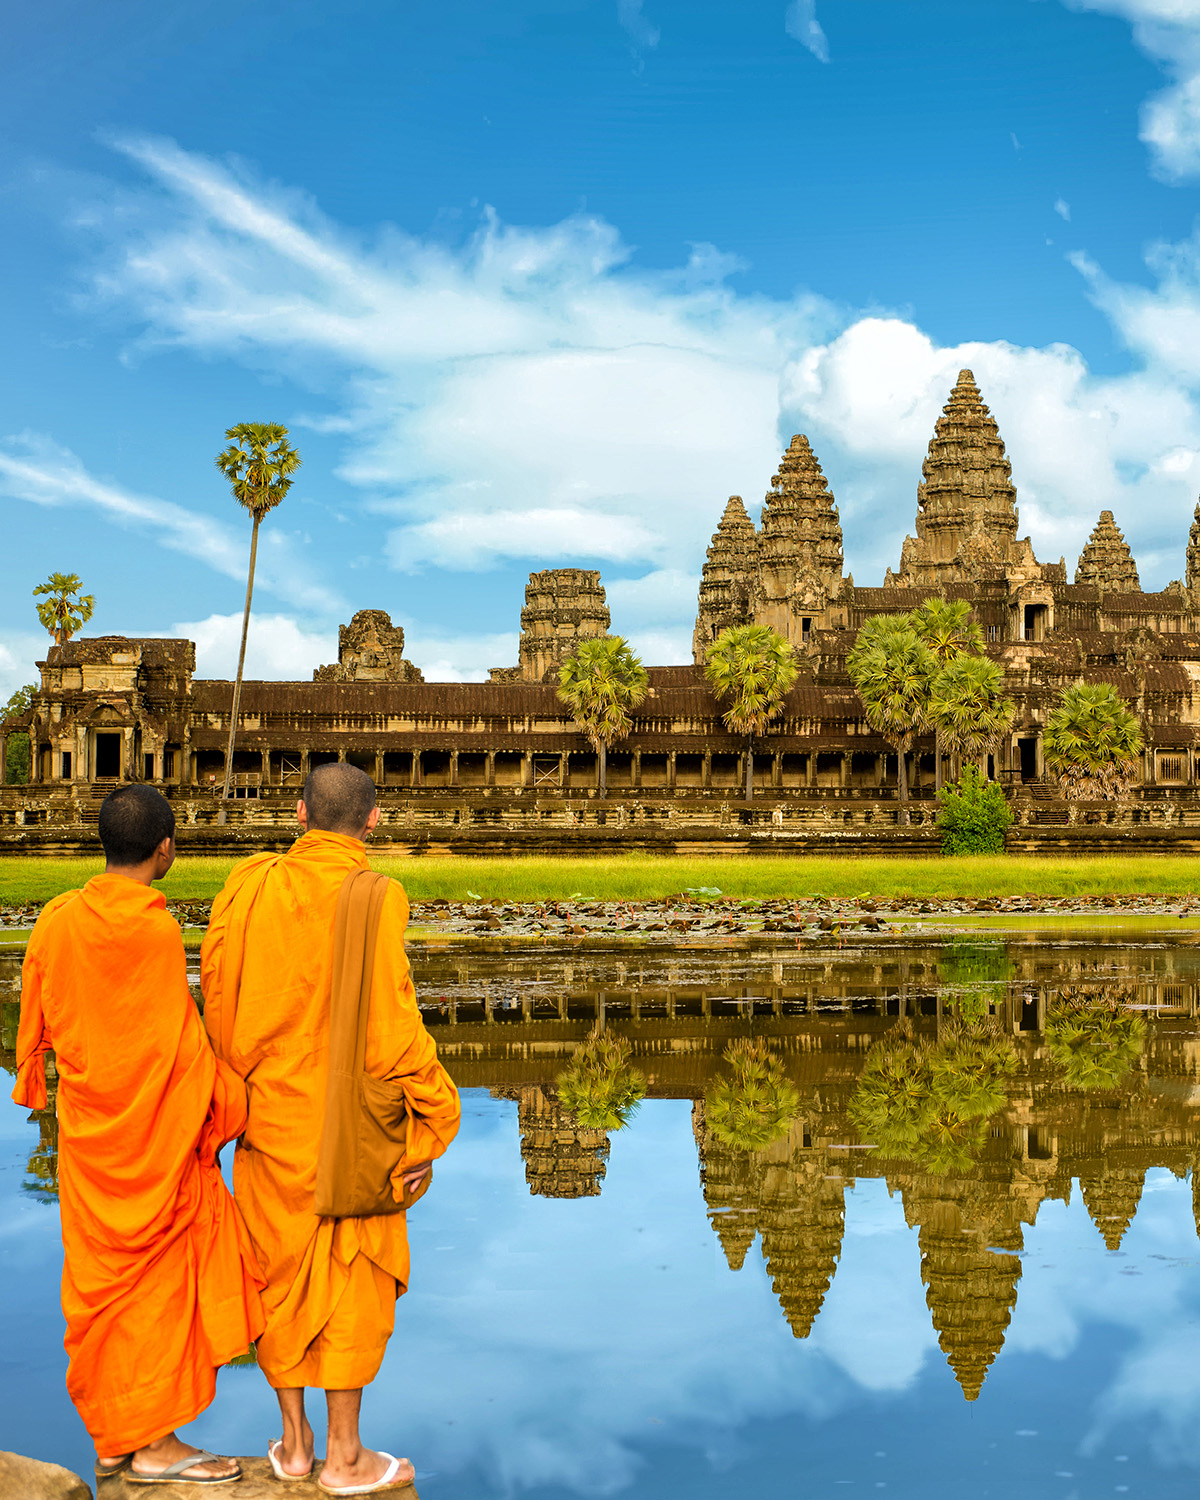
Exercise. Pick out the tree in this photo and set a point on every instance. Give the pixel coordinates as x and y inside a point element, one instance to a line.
<point>259,464</point>
<point>757,1105</point>
<point>64,610</point>
<point>1091,742</point>
<point>968,707</point>
<point>946,627</point>
<point>602,682</point>
<point>975,815</point>
<point>599,1086</point>
<point>893,670</point>
<point>16,750</point>
<point>753,667</point>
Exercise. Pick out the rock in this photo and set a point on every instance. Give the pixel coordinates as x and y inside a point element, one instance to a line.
<point>28,1479</point>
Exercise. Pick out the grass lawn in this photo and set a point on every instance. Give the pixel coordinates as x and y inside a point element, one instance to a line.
<point>643,877</point>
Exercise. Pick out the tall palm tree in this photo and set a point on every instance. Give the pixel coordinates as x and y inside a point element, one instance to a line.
<point>64,611</point>
<point>893,670</point>
<point>967,705</point>
<point>946,627</point>
<point>602,682</point>
<point>259,464</point>
<point>754,668</point>
<point>1091,742</point>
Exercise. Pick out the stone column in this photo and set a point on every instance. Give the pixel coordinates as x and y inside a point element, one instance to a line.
<point>527,770</point>
<point>415,778</point>
<point>635,770</point>
<point>563,771</point>
<point>266,766</point>
<point>489,768</point>
<point>671,770</point>
<point>777,770</point>
<point>379,768</point>
<point>304,765</point>
<point>706,770</point>
<point>127,755</point>
<point>454,768</point>
<point>810,769</point>
<point>844,771</point>
<point>3,759</point>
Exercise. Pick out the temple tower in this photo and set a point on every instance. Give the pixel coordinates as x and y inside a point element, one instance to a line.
<point>1106,562</point>
<point>800,546</point>
<point>966,503</point>
<point>1192,578</point>
<point>729,579</point>
<point>1112,1200</point>
<point>562,1158</point>
<point>562,607</point>
<point>370,649</point>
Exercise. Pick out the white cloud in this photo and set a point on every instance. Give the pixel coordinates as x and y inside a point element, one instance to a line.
<point>18,653</point>
<point>1063,209</point>
<point>459,658</point>
<point>278,648</point>
<point>1169,31</point>
<point>476,541</point>
<point>800,22</point>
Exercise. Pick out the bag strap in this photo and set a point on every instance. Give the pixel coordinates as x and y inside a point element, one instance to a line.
<point>355,934</point>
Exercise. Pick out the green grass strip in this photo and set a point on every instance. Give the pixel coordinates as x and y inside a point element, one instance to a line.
<point>637,877</point>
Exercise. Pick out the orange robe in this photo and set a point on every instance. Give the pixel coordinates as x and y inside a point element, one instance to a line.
<point>266,967</point>
<point>159,1282</point>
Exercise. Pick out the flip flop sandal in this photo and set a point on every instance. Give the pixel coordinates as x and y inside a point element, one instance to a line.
<point>386,1481</point>
<point>174,1474</point>
<point>103,1471</point>
<point>277,1468</point>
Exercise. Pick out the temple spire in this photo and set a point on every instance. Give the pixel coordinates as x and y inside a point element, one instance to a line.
<point>1106,561</point>
<point>729,579</point>
<point>966,501</point>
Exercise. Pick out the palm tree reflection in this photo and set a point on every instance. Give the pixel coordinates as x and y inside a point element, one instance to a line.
<point>599,1087</point>
<point>757,1105</point>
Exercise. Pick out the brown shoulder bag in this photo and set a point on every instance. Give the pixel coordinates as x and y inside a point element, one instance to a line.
<point>366,1120</point>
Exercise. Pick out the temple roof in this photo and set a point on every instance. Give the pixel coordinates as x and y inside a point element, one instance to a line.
<point>966,462</point>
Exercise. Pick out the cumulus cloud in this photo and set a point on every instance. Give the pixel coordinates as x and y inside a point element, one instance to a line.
<point>19,650</point>
<point>1169,31</point>
<point>800,21</point>
<point>278,647</point>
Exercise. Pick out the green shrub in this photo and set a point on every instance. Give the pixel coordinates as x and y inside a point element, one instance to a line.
<point>974,815</point>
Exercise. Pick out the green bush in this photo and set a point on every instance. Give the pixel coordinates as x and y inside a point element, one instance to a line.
<point>974,815</point>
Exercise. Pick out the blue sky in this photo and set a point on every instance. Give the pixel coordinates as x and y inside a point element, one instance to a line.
<point>542,282</point>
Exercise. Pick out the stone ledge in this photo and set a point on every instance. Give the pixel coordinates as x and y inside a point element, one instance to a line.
<point>257,1483</point>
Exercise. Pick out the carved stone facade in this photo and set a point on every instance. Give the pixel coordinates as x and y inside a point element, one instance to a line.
<point>110,709</point>
<point>370,649</point>
<point>1106,562</point>
<point>562,607</point>
<point>966,503</point>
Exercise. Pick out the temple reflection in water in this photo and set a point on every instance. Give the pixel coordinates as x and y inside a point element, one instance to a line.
<point>969,1184</point>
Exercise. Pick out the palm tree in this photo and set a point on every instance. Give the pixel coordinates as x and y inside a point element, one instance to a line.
<point>602,682</point>
<point>258,463</point>
<point>65,611</point>
<point>967,706</point>
<point>946,627</point>
<point>893,670</point>
<point>599,1086</point>
<point>755,668</point>
<point>758,1104</point>
<point>1091,742</point>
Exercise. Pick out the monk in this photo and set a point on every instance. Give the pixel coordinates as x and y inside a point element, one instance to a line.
<point>266,967</point>
<point>159,1283</point>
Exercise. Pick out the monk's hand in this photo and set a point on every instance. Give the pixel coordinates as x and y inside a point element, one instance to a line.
<point>412,1177</point>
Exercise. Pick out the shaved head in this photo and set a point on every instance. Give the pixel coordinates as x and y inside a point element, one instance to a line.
<point>339,798</point>
<point>133,823</point>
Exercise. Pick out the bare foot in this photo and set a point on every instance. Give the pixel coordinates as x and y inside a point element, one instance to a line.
<point>368,1468</point>
<point>155,1457</point>
<point>297,1461</point>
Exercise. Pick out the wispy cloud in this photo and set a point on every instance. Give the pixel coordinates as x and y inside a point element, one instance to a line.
<point>642,33</point>
<point>40,471</point>
<point>1169,31</point>
<point>1063,209</point>
<point>800,22</point>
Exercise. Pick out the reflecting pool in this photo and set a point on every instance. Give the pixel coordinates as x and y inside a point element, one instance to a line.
<point>795,1221</point>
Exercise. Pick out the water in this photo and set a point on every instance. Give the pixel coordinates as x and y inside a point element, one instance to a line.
<point>1006,1302</point>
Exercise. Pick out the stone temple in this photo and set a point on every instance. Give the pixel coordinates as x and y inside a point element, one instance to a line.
<point>500,763</point>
